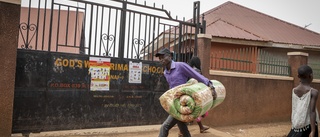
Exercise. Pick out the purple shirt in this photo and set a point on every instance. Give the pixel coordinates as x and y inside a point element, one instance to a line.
<point>180,73</point>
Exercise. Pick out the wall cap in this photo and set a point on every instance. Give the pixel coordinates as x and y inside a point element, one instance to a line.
<point>18,2</point>
<point>248,75</point>
<point>297,53</point>
<point>208,36</point>
<point>316,81</point>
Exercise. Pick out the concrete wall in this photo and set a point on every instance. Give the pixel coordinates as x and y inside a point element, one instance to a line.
<point>9,24</point>
<point>251,99</point>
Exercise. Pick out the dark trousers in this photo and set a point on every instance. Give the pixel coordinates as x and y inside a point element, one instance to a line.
<point>169,123</point>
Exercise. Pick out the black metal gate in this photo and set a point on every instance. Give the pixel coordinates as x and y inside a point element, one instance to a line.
<point>59,40</point>
<point>115,28</point>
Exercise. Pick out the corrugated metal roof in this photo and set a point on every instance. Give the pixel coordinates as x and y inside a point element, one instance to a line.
<point>231,20</point>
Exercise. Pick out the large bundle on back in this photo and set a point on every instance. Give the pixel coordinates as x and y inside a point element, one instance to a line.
<point>188,101</point>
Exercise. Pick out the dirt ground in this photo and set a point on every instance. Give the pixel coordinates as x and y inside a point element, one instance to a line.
<point>280,129</point>
<point>253,130</point>
<point>258,130</point>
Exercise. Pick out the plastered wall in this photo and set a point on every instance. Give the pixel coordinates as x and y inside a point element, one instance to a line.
<point>9,28</point>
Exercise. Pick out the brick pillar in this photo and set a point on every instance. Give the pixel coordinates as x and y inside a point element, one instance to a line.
<point>9,30</point>
<point>296,59</point>
<point>204,47</point>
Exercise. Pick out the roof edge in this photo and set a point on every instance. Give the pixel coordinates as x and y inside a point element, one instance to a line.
<point>263,43</point>
<point>297,53</point>
<point>241,41</point>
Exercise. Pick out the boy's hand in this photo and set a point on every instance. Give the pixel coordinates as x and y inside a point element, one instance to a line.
<point>214,93</point>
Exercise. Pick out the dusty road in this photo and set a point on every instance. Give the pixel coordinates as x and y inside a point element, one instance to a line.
<point>258,130</point>
<point>253,130</point>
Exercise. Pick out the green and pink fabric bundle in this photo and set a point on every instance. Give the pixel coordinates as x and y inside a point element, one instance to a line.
<point>188,101</point>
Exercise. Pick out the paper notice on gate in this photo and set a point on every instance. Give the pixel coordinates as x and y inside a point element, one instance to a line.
<point>135,72</point>
<point>100,74</point>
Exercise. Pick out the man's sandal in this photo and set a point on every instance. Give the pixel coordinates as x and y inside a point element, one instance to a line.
<point>204,129</point>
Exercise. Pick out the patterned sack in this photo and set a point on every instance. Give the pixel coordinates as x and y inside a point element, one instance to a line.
<point>188,101</point>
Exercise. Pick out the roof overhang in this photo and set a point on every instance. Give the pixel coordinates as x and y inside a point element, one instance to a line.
<point>311,47</point>
<point>295,46</point>
<point>263,43</point>
<point>241,41</point>
<point>288,46</point>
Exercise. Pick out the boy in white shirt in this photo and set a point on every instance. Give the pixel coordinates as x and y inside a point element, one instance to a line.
<point>304,115</point>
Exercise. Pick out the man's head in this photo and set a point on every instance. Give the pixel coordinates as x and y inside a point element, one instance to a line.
<point>305,73</point>
<point>165,56</point>
<point>195,62</point>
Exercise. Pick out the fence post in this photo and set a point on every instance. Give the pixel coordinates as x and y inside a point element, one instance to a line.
<point>10,13</point>
<point>296,59</point>
<point>122,30</point>
<point>204,50</point>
